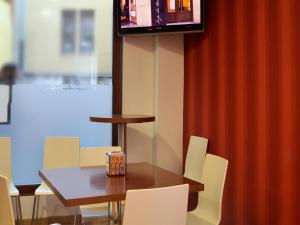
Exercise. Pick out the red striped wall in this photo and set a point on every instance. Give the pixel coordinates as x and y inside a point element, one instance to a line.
<point>242,92</point>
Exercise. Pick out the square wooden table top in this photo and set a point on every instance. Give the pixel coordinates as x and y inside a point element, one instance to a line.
<point>89,185</point>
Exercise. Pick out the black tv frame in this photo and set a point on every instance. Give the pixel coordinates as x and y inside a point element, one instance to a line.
<point>186,28</point>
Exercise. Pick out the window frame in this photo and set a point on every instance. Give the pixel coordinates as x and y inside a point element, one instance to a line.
<point>117,73</point>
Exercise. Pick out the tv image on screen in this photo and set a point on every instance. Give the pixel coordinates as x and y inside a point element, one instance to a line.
<point>156,16</point>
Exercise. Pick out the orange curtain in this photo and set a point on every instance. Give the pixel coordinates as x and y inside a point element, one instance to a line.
<point>242,92</point>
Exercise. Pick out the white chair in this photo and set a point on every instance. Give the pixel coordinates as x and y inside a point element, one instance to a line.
<point>6,170</point>
<point>59,152</point>
<point>6,212</point>
<point>195,158</point>
<point>208,211</point>
<point>159,206</point>
<point>94,156</point>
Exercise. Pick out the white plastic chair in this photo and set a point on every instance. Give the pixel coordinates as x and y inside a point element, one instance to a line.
<point>59,152</point>
<point>208,211</point>
<point>159,206</point>
<point>94,156</point>
<point>6,170</point>
<point>6,211</point>
<point>195,158</point>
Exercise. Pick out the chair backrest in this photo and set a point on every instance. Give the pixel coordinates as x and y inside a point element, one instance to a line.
<point>95,156</point>
<point>159,206</point>
<point>6,211</point>
<point>213,178</point>
<point>195,158</point>
<point>5,157</point>
<point>61,152</point>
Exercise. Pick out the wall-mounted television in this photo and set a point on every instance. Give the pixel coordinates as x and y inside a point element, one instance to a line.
<point>156,16</point>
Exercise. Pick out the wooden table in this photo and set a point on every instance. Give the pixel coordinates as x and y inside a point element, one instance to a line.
<point>90,185</point>
<point>123,119</point>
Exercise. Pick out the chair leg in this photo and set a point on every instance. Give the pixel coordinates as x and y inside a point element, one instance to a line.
<point>37,211</point>
<point>17,210</point>
<point>120,212</point>
<point>75,216</point>
<point>115,212</point>
<point>33,210</point>
<point>108,213</point>
<point>20,211</point>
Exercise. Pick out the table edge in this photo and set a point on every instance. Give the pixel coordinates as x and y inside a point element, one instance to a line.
<point>122,120</point>
<point>53,189</point>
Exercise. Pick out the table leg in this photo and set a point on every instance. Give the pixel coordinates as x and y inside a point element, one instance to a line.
<point>122,141</point>
<point>120,134</point>
<point>125,141</point>
<point>115,213</point>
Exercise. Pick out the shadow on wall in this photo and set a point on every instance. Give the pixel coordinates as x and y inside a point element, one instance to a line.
<point>140,146</point>
<point>165,156</point>
<point>144,148</point>
<point>140,42</point>
<point>168,42</point>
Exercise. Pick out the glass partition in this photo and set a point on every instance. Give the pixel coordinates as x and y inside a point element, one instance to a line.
<point>61,53</point>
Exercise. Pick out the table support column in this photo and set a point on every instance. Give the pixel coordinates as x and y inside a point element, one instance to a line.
<point>122,131</point>
<point>115,213</point>
<point>125,139</point>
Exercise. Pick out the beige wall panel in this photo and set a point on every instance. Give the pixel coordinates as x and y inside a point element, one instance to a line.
<point>138,92</point>
<point>153,84</point>
<point>169,102</point>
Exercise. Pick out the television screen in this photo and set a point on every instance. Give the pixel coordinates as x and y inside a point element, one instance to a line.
<point>153,16</point>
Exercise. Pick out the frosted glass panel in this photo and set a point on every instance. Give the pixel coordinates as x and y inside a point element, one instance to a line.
<point>39,111</point>
<point>4,103</point>
<point>63,54</point>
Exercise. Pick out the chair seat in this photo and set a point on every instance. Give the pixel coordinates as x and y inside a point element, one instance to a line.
<point>203,214</point>
<point>43,189</point>
<point>193,219</point>
<point>94,212</point>
<point>13,191</point>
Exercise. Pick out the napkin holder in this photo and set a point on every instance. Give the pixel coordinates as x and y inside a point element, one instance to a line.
<point>115,163</point>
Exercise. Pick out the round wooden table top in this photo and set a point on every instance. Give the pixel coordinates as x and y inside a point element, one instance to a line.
<point>123,118</point>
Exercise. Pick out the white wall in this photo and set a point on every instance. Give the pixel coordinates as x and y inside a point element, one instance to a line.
<point>153,84</point>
